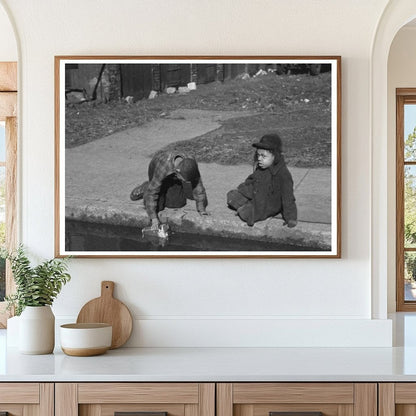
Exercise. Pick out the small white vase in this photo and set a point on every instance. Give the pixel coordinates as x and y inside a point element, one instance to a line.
<point>37,330</point>
<point>12,334</point>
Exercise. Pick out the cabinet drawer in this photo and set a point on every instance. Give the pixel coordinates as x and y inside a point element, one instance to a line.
<point>21,399</point>
<point>309,399</point>
<point>107,399</point>
<point>293,392</point>
<point>19,393</point>
<point>138,393</point>
<point>397,399</point>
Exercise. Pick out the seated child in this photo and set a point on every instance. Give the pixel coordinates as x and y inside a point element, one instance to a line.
<point>269,190</point>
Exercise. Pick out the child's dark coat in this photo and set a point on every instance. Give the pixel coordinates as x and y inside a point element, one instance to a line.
<point>267,193</point>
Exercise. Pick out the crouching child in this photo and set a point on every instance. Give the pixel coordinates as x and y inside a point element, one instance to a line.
<point>268,191</point>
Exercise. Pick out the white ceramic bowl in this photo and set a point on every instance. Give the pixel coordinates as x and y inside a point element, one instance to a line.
<point>85,339</point>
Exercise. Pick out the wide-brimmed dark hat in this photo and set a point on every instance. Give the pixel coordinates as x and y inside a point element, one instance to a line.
<point>269,142</point>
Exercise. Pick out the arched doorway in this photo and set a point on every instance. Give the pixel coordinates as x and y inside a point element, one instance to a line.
<point>401,97</point>
<point>8,150</point>
<point>396,15</point>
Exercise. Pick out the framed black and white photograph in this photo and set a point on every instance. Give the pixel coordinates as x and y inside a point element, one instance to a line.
<point>198,156</point>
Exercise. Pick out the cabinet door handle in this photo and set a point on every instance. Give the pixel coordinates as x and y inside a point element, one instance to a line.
<point>139,414</point>
<point>295,413</point>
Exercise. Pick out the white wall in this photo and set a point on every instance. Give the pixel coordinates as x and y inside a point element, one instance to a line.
<point>401,74</point>
<point>8,46</point>
<point>204,302</point>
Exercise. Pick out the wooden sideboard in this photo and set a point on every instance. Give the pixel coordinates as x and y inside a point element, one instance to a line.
<point>208,399</point>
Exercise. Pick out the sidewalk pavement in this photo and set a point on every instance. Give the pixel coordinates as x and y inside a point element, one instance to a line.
<point>100,176</point>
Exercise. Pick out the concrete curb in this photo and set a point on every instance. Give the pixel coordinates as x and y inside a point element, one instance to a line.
<point>305,235</point>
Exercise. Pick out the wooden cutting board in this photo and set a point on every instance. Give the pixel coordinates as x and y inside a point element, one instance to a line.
<point>109,310</point>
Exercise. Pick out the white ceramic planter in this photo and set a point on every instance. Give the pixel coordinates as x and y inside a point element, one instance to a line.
<point>37,330</point>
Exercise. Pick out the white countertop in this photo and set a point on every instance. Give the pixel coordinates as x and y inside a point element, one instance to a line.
<point>221,364</point>
<point>215,364</point>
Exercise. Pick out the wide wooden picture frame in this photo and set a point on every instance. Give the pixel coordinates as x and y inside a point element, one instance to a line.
<point>187,126</point>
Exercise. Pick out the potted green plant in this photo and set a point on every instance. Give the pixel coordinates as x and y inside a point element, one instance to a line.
<point>36,289</point>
